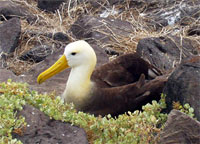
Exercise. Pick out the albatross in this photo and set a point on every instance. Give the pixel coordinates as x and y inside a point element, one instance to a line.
<point>122,85</point>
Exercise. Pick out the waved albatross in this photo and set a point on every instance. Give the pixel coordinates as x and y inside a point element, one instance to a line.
<point>113,88</point>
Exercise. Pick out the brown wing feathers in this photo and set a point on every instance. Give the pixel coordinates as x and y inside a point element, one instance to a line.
<point>124,70</point>
<point>123,86</point>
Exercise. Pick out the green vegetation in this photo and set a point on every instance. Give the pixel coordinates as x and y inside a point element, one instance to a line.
<point>184,108</point>
<point>137,127</point>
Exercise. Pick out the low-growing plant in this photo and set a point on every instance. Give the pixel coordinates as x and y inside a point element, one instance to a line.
<point>137,127</point>
<point>186,108</point>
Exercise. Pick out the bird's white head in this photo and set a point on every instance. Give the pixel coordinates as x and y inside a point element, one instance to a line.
<point>77,55</point>
<point>80,53</point>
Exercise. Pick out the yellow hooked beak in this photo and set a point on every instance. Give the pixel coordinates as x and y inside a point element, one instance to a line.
<point>59,66</point>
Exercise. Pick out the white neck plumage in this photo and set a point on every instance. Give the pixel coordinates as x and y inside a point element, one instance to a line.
<point>79,85</point>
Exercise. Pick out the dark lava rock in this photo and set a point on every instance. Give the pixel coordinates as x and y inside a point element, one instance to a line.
<point>59,36</point>
<point>40,129</point>
<point>104,3</point>
<point>180,129</point>
<point>3,58</point>
<point>50,5</point>
<point>110,51</point>
<point>165,52</point>
<point>112,2</point>
<point>194,30</point>
<point>9,35</point>
<point>174,16</point>
<point>10,9</point>
<point>58,80</point>
<point>98,4</point>
<point>6,74</point>
<point>184,85</point>
<point>173,12</point>
<point>97,29</point>
<point>37,54</point>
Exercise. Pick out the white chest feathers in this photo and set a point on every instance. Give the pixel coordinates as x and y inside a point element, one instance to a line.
<point>78,87</point>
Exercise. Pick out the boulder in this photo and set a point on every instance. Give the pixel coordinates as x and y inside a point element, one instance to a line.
<point>58,82</point>
<point>3,63</point>
<point>49,5</point>
<point>37,54</point>
<point>114,2</point>
<point>184,85</point>
<point>98,4</point>
<point>100,31</point>
<point>7,74</point>
<point>173,12</point>
<point>165,52</point>
<point>194,30</point>
<point>59,36</point>
<point>9,35</point>
<point>104,3</point>
<point>41,129</point>
<point>9,9</point>
<point>40,51</point>
<point>179,129</point>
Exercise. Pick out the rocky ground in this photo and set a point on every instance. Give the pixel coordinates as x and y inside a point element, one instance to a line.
<point>33,34</point>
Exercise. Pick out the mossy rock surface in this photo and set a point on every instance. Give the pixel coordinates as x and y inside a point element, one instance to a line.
<point>41,129</point>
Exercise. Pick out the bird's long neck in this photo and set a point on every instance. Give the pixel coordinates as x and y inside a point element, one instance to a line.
<point>78,85</point>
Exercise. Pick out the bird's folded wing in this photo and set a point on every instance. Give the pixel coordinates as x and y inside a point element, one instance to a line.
<point>130,97</point>
<point>125,69</point>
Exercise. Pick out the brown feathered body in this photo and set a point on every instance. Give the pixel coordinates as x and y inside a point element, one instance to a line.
<point>122,85</point>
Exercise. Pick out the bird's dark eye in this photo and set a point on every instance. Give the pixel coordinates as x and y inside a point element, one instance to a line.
<point>73,53</point>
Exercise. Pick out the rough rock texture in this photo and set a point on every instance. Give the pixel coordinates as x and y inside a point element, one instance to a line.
<point>9,35</point>
<point>40,51</point>
<point>180,129</point>
<point>98,4</point>
<point>3,63</point>
<point>165,52</point>
<point>50,5</point>
<point>40,129</point>
<point>181,12</point>
<point>112,2</point>
<point>184,85</point>
<point>104,3</point>
<point>59,36</point>
<point>10,9</point>
<point>57,82</point>
<point>6,74</point>
<point>194,30</point>
<point>100,30</point>
<point>37,54</point>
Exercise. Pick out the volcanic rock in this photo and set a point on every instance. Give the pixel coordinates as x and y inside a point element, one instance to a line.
<point>41,129</point>
<point>166,53</point>
<point>9,9</point>
<point>7,74</point>
<point>194,30</point>
<point>59,36</point>
<point>173,12</point>
<point>180,129</point>
<point>184,85</point>
<point>37,54</point>
<point>9,35</point>
<point>50,5</point>
<point>97,30</point>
